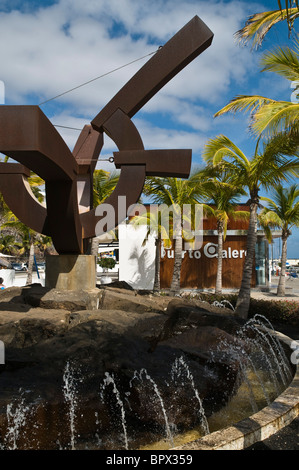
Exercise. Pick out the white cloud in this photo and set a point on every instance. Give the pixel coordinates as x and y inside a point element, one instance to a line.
<point>55,48</point>
<point>69,127</point>
<point>168,138</point>
<point>49,50</point>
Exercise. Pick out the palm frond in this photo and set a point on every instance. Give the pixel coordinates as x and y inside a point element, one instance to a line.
<point>36,184</point>
<point>278,116</point>
<point>258,25</point>
<point>271,218</point>
<point>240,215</point>
<point>220,147</point>
<point>283,61</point>
<point>277,171</point>
<point>267,228</point>
<point>283,210</point>
<point>104,183</point>
<point>282,143</point>
<point>244,103</point>
<point>174,191</point>
<point>271,204</point>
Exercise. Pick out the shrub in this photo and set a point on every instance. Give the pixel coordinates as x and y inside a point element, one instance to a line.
<point>276,311</point>
<point>107,263</point>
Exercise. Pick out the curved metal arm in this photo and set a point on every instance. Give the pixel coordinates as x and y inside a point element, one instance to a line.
<point>178,52</point>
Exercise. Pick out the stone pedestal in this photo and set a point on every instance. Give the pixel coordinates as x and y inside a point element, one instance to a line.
<point>71,272</point>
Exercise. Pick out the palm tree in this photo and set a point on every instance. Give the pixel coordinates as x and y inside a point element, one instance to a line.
<point>103,184</point>
<point>283,213</point>
<point>224,197</point>
<point>8,244</point>
<point>28,242</point>
<point>45,244</point>
<point>258,25</point>
<point>36,184</point>
<point>269,116</point>
<point>175,193</point>
<point>268,167</point>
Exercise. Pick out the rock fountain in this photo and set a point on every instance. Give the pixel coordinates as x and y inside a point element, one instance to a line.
<point>119,380</point>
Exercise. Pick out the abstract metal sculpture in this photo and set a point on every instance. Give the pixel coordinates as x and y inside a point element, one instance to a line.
<point>27,136</point>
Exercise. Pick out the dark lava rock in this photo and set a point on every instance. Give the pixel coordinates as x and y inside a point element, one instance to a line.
<point>132,361</point>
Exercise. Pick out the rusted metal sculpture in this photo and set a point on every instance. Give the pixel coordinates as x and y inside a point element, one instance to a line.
<point>27,136</point>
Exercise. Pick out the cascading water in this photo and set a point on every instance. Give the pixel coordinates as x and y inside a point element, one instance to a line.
<point>109,380</point>
<point>257,323</point>
<point>70,392</point>
<point>17,413</point>
<point>156,391</point>
<point>261,360</point>
<point>224,303</point>
<point>178,368</point>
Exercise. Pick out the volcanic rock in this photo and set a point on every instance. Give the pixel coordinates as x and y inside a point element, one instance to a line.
<point>141,349</point>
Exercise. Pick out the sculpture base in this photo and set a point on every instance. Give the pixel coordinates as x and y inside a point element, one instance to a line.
<point>71,272</point>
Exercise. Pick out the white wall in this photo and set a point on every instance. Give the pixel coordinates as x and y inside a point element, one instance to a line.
<point>136,262</point>
<point>19,278</point>
<point>8,275</point>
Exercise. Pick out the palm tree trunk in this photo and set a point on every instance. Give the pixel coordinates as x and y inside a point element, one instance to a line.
<point>218,287</point>
<point>94,249</point>
<point>282,277</point>
<point>243,301</point>
<point>30,265</point>
<point>157,286</point>
<point>178,247</point>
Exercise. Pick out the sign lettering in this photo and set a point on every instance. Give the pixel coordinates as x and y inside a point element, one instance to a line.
<point>209,251</point>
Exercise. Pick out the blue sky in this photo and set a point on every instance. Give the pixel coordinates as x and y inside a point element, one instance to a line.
<point>48,47</point>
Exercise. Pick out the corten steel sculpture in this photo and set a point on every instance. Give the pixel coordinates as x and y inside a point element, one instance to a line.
<point>27,136</point>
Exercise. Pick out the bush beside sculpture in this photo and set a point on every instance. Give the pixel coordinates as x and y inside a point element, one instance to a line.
<point>107,263</point>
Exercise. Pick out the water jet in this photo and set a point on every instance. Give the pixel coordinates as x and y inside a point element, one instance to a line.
<point>82,419</point>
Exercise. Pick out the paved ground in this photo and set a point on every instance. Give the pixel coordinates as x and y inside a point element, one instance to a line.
<point>292,290</point>
<point>286,439</point>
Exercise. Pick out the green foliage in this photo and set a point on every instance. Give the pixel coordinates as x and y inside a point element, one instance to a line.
<point>9,245</point>
<point>103,184</point>
<point>211,297</point>
<point>107,263</point>
<point>280,311</point>
<point>268,166</point>
<point>258,25</point>
<point>283,209</point>
<point>285,312</point>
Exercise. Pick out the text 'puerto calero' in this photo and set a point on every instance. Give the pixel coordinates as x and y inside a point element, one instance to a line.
<point>210,250</point>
